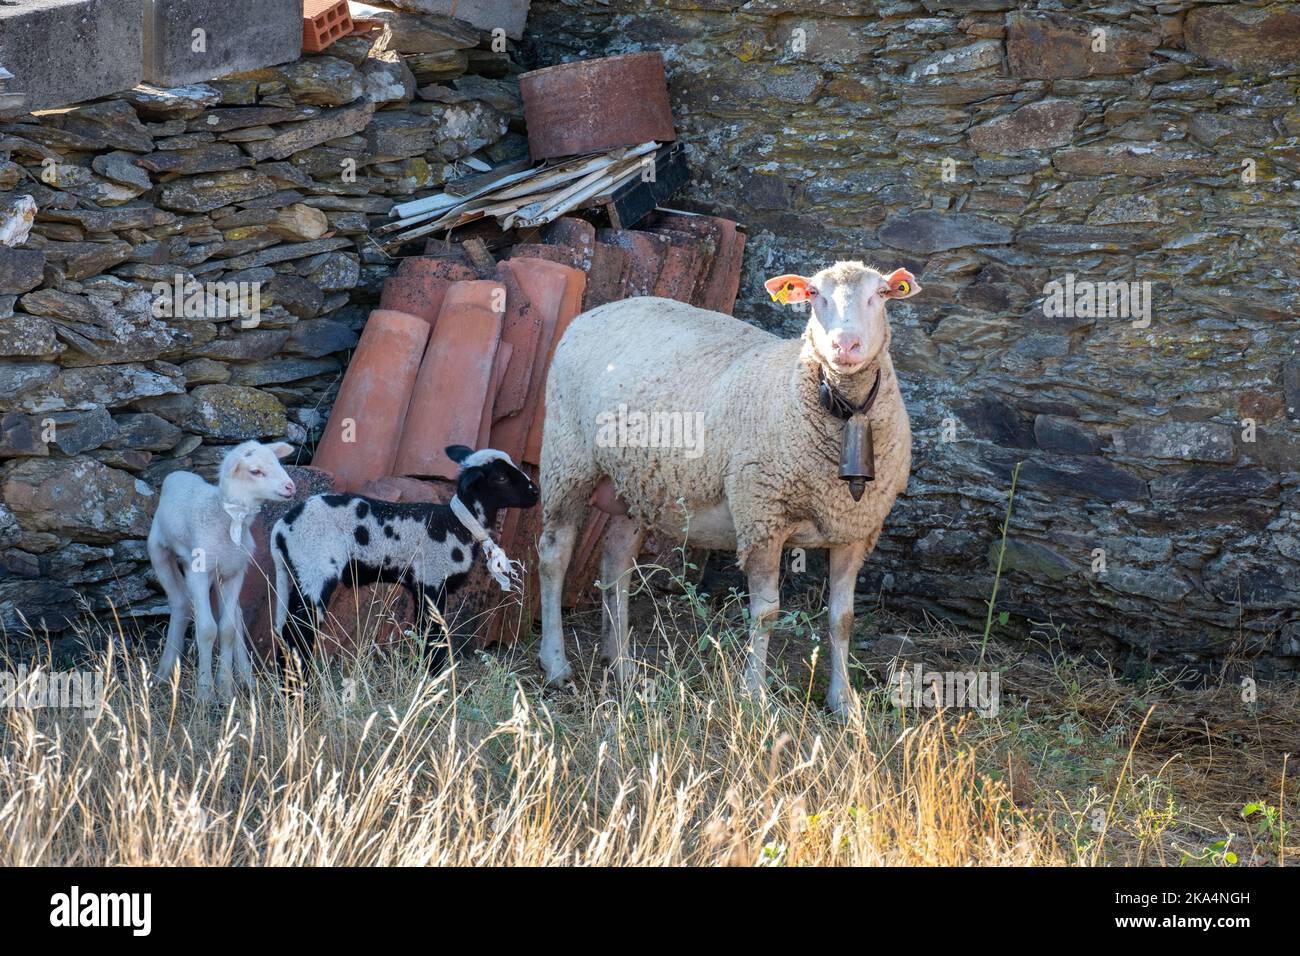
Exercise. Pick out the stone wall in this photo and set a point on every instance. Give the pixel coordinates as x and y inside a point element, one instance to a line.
<point>993,147</point>
<point>273,178</point>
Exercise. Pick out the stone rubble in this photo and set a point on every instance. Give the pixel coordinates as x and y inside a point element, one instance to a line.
<point>272,177</point>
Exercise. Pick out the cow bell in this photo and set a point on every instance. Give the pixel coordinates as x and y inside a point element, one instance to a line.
<point>857,456</point>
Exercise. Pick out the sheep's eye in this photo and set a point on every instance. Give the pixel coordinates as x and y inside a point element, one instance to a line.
<point>256,472</point>
<point>813,293</point>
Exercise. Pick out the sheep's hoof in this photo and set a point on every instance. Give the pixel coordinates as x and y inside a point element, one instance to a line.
<point>623,671</point>
<point>840,709</point>
<point>562,681</point>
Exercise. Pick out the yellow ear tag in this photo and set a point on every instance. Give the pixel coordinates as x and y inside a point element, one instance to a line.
<point>782,294</point>
<point>903,287</point>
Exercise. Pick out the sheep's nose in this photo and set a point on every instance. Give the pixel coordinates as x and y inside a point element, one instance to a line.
<point>846,342</point>
<point>289,489</point>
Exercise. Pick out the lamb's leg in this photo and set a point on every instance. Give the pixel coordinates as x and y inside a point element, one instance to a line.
<point>178,602</point>
<point>281,593</point>
<point>763,570</point>
<point>229,630</point>
<point>199,585</point>
<point>428,626</point>
<point>243,662</point>
<point>623,538</point>
<point>845,563</point>
<point>554,551</point>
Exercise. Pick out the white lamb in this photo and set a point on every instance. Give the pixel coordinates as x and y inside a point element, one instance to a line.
<point>769,416</point>
<point>200,546</point>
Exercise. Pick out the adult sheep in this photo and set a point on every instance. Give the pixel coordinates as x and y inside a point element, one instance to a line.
<point>771,415</point>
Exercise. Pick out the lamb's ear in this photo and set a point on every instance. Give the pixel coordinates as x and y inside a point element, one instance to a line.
<point>458,453</point>
<point>281,449</point>
<point>902,285</point>
<point>789,288</point>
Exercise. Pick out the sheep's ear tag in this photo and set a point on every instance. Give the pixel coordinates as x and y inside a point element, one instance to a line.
<point>902,284</point>
<point>787,288</point>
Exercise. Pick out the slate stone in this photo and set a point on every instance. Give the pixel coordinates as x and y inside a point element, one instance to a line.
<point>1183,441</point>
<point>1044,125</point>
<point>20,269</point>
<point>1064,435</point>
<point>1260,40</point>
<point>929,232</point>
<point>1053,46</point>
<point>79,498</point>
<point>235,413</point>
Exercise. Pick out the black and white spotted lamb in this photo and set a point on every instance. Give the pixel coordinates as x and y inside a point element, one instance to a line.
<point>427,548</point>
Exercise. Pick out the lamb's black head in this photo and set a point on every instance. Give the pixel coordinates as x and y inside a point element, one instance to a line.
<point>489,477</point>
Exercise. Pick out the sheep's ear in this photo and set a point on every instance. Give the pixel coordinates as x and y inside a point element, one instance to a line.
<point>789,288</point>
<point>902,285</point>
<point>281,449</point>
<point>458,453</point>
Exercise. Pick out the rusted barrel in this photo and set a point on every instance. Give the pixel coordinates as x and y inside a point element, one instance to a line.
<point>592,105</point>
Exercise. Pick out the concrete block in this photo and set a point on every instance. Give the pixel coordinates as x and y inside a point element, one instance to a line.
<point>67,51</point>
<point>237,36</point>
<point>507,15</point>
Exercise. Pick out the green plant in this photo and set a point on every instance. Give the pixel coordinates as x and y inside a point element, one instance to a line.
<point>997,574</point>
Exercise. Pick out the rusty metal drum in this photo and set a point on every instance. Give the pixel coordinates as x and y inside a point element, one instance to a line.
<point>592,105</point>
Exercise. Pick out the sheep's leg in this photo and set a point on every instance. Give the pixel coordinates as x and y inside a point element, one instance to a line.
<point>623,538</point>
<point>281,593</point>
<point>763,569</point>
<point>554,551</point>
<point>428,626</point>
<point>243,662</point>
<point>845,563</point>
<point>199,584</point>
<point>178,601</point>
<point>229,631</point>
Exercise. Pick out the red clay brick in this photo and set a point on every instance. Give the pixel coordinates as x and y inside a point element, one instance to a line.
<point>323,22</point>
<point>646,252</point>
<point>578,234</point>
<point>564,255</point>
<point>728,286</point>
<point>373,398</point>
<point>419,285</point>
<point>575,283</point>
<point>607,276</point>
<point>455,379</point>
<point>685,267</point>
<point>521,331</point>
<point>499,367</point>
<point>721,233</point>
<point>555,293</point>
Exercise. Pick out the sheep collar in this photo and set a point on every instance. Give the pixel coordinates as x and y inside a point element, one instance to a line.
<point>857,450</point>
<point>499,565</point>
<point>239,513</point>
<point>839,406</point>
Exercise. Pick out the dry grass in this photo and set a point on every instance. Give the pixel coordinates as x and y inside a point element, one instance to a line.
<point>379,765</point>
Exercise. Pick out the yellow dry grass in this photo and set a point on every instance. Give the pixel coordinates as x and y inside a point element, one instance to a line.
<point>377,764</point>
